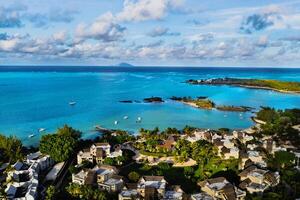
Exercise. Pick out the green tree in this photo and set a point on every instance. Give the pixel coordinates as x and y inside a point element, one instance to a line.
<point>282,159</point>
<point>60,145</point>
<point>10,149</point>
<point>86,192</point>
<point>134,176</point>
<point>188,171</point>
<point>69,131</point>
<point>50,193</point>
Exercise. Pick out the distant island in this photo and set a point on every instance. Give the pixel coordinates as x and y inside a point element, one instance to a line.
<point>275,85</point>
<point>205,103</point>
<point>145,100</point>
<point>124,64</point>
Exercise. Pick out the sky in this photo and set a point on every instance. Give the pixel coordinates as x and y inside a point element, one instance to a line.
<point>251,33</point>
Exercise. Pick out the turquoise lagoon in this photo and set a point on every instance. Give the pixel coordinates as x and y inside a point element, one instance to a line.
<point>38,97</point>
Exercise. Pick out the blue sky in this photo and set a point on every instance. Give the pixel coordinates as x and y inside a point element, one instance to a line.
<point>150,32</point>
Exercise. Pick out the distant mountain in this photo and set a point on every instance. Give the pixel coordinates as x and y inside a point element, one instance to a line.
<point>123,64</point>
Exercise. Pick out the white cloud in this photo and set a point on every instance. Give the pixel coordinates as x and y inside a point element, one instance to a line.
<point>142,10</point>
<point>104,28</point>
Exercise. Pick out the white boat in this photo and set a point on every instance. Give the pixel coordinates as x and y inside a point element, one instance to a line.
<point>125,117</point>
<point>30,136</point>
<point>72,103</point>
<point>116,122</point>
<point>139,119</point>
<point>42,129</point>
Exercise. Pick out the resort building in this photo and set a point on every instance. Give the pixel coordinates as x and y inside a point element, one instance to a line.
<point>84,177</point>
<point>107,178</point>
<point>271,146</point>
<point>24,178</point>
<point>129,192</point>
<point>154,186</point>
<point>242,136</point>
<point>220,188</point>
<point>258,180</point>
<point>97,153</point>
<point>201,196</point>
<point>174,193</point>
<point>230,153</point>
<point>200,135</point>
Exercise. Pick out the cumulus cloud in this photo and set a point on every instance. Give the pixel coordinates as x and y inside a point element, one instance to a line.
<point>141,10</point>
<point>10,17</point>
<point>54,15</point>
<point>161,31</point>
<point>105,28</point>
<point>261,21</point>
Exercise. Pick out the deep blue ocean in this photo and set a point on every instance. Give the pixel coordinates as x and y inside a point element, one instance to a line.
<point>38,97</point>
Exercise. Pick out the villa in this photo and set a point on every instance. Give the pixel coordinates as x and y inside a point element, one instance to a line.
<point>97,153</point>
<point>242,136</point>
<point>174,193</point>
<point>104,176</point>
<point>84,177</point>
<point>200,135</point>
<point>129,192</point>
<point>271,146</point>
<point>258,180</point>
<point>152,186</point>
<point>107,178</point>
<point>201,196</point>
<point>220,188</point>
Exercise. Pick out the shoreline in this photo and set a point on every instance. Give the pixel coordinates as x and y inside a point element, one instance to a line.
<point>250,84</point>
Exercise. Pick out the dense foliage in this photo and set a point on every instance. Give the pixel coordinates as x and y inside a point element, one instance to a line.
<point>10,149</point>
<point>133,176</point>
<point>86,192</point>
<point>280,124</point>
<point>60,145</point>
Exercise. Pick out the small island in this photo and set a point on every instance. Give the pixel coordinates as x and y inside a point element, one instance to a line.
<point>275,85</point>
<point>145,100</point>
<point>205,103</point>
<point>153,100</point>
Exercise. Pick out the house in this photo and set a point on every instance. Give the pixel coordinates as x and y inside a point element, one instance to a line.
<point>129,192</point>
<point>258,180</point>
<point>84,155</point>
<point>117,152</point>
<point>107,178</point>
<point>104,146</point>
<point>97,153</point>
<point>257,158</point>
<point>169,143</point>
<point>174,193</point>
<point>201,196</point>
<point>113,184</point>
<point>271,146</point>
<point>200,135</point>
<point>152,186</point>
<point>230,153</point>
<point>84,177</point>
<point>220,188</point>
<point>242,136</point>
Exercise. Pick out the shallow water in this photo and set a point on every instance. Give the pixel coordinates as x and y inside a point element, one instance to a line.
<point>38,97</point>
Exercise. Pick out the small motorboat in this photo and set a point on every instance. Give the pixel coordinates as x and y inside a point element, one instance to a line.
<point>125,117</point>
<point>42,130</point>
<point>116,122</point>
<point>72,103</point>
<point>31,136</point>
<point>139,120</point>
